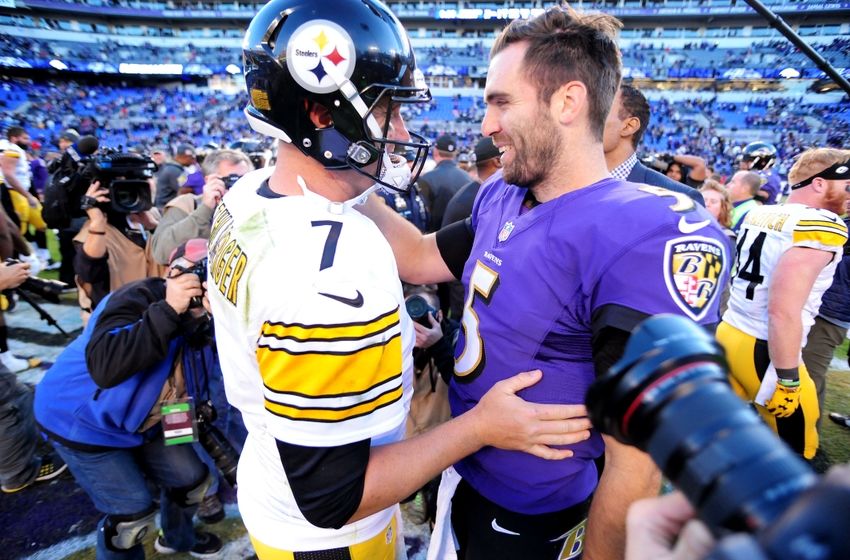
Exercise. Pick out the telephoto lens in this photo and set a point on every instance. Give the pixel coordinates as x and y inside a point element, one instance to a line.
<point>669,396</point>
<point>223,454</point>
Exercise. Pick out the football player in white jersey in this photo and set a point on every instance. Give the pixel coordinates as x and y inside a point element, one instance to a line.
<point>314,339</point>
<point>787,255</point>
<point>15,165</point>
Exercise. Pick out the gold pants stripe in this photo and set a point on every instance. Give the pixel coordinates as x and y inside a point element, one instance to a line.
<point>380,547</point>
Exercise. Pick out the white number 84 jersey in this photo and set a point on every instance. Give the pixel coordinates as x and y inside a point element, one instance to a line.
<point>767,232</point>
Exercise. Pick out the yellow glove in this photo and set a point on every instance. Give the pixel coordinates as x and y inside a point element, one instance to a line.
<point>785,399</point>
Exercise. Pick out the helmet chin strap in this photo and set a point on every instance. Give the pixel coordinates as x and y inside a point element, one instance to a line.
<point>337,207</point>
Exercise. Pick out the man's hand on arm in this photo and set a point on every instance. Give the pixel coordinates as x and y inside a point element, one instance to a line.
<point>501,419</point>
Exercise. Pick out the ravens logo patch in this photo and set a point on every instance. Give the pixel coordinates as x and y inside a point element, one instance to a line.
<point>693,270</point>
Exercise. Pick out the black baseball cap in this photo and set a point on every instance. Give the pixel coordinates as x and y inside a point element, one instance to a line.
<point>185,150</point>
<point>485,149</point>
<point>447,143</point>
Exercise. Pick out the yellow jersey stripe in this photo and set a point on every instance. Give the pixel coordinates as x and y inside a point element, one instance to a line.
<point>388,381</point>
<point>830,226</point>
<point>319,414</point>
<point>342,331</point>
<point>323,374</point>
<point>828,238</point>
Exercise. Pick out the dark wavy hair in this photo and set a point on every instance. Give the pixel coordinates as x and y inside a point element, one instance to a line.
<point>565,45</point>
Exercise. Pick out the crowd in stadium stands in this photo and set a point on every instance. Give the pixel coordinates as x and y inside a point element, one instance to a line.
<point>145,117</point>
<point>400,6</point>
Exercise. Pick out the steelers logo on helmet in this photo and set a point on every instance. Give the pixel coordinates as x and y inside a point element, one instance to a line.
<point>693,266</point>
<point>320,56</point>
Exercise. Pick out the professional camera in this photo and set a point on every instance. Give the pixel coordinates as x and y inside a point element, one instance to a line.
<point>215,444</point>
<point>418,309</point>
<point>126,175</point>
<point>669,396</point>
<point>230,180</point>
<point>658,162</point>
<point>47,289</point>
<point>200,270</point>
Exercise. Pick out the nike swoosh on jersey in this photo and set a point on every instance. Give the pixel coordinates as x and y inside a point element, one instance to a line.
<point>353,302</point>
<point>499,529</point>
<point>687,227</point>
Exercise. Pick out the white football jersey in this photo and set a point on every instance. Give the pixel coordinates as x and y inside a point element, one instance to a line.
<point>767,232</point>
<point>22,165</point>
<point>315,344</point>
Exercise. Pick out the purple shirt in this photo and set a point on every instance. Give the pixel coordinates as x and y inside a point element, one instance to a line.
<point>540,277</point>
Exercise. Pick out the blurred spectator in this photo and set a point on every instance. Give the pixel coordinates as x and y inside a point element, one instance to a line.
<point>441,183</point>
<point>742,188</point>
<point>687,169</point>
<point>189,215</point>
<point>172,176</point>
<point>718,204</point>
<point>627,121</point>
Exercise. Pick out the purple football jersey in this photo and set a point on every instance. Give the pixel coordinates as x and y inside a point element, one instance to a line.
<point>534,281</point>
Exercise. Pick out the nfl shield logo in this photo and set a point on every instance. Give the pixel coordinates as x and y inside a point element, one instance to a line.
<point>506,231</point>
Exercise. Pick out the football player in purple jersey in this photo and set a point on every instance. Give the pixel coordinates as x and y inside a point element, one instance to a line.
<point>559,261</point>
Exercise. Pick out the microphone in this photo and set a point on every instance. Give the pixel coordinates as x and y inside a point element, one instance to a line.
<point>86,146</point>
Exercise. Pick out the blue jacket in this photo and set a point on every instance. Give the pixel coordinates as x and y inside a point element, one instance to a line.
<point>104,385</point>
<point>836,300</point>
<point>642,174</point>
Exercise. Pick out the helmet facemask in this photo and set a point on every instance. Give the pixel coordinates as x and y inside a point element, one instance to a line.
<point>392,169</point>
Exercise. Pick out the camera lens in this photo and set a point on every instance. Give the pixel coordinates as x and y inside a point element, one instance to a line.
<point>669,396</point>
<point>418,309</point>
<point>130,195</point>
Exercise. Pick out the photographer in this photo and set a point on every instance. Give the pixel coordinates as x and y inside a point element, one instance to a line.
<point>20,466</point>
<point>115,402</point>
<point>112,246</point>
<point>433,360</point>
<point>189,215</point>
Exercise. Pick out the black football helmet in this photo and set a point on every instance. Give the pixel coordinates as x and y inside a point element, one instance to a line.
<point>348,56</point>
<point>760,156</point>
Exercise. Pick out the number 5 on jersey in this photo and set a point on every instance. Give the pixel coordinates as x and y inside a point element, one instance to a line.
<point>482,285</point>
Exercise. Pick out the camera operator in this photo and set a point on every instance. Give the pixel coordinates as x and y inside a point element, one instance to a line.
<point>433,359</point>
<point>112,247</point>
<point>118,406</point>
<point>188,215</point>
